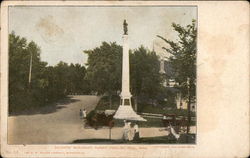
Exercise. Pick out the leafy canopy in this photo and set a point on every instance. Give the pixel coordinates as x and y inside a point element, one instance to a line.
<point>183,59</point>
<point>104,68</point>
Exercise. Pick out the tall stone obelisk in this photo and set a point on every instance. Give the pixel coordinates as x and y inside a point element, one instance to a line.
<point>125,94</point>
<point>125,110</point>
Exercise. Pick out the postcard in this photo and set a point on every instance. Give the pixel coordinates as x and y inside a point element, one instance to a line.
<point>124,79</point>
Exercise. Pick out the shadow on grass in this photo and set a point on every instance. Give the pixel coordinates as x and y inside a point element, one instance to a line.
<point>46,109</point>
<point>184,139</point>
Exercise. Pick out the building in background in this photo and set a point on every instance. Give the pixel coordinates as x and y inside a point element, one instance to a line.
<point>169,82</point>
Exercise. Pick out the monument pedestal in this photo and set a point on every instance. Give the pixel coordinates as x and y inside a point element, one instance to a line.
<point>127,113</point>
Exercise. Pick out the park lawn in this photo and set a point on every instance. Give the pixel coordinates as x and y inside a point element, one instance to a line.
<point>184,139</point>
<point>151,122</point>
<point>103,105</point>
<point>148,108</point>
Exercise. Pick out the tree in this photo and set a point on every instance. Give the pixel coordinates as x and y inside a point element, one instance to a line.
<point>104,69</point>
<point>22,94</point>
<point>183,61</point>
<point>77,82</point>
<point>47,83</point>
<point>145,77</point>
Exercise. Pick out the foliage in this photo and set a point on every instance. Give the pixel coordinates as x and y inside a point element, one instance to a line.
<point>103,103</point>
<point>145,77</point>
<point>99,119</point>
<point>48,83</point>
<point>77,82</point>
<point>104,71</point>
<point>104,68</point>
<point>20,94</point>
<point>183,59</point>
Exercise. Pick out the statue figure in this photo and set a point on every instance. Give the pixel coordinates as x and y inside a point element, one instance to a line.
<point>125,27</point>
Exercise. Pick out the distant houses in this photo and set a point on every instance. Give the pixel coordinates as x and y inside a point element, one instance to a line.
<point>169,82</point>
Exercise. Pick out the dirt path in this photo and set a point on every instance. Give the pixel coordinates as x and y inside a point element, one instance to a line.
<point>62,126</point>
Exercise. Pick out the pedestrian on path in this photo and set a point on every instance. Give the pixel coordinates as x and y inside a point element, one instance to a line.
<point>84,112</point>
<point>125,130</point>
<point>84,116</point>
<point>137,135</point>
<point>131,132</point>
<point>81,114</point>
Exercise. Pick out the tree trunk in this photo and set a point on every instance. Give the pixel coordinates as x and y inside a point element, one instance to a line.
<point>110,133</point>
<point>110,101</point>
<point>189,114</point>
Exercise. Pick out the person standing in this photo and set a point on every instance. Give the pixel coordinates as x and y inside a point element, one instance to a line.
<point>81,114</point>
<point>137,135</point>
<point>84,113</point>
<point>125,130</point>
<point>131,132</point>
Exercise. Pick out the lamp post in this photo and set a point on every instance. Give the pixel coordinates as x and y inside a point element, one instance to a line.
<point>30,69</point>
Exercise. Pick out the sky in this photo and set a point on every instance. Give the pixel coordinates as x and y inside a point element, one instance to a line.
<point>63,33</point>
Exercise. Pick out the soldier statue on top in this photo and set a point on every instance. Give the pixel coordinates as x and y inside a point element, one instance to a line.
<point>125,27</point>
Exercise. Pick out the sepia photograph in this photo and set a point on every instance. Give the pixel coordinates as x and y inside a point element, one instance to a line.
<point>124,79</point>
<point>102,75</point>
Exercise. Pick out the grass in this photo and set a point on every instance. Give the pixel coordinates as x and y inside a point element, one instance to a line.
<point>148,108</point>
<point>151,122</point>
<point>184,139</point>
<point>103,104</point>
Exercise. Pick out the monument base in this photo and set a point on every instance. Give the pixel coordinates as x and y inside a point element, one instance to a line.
<point>127,113</point>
